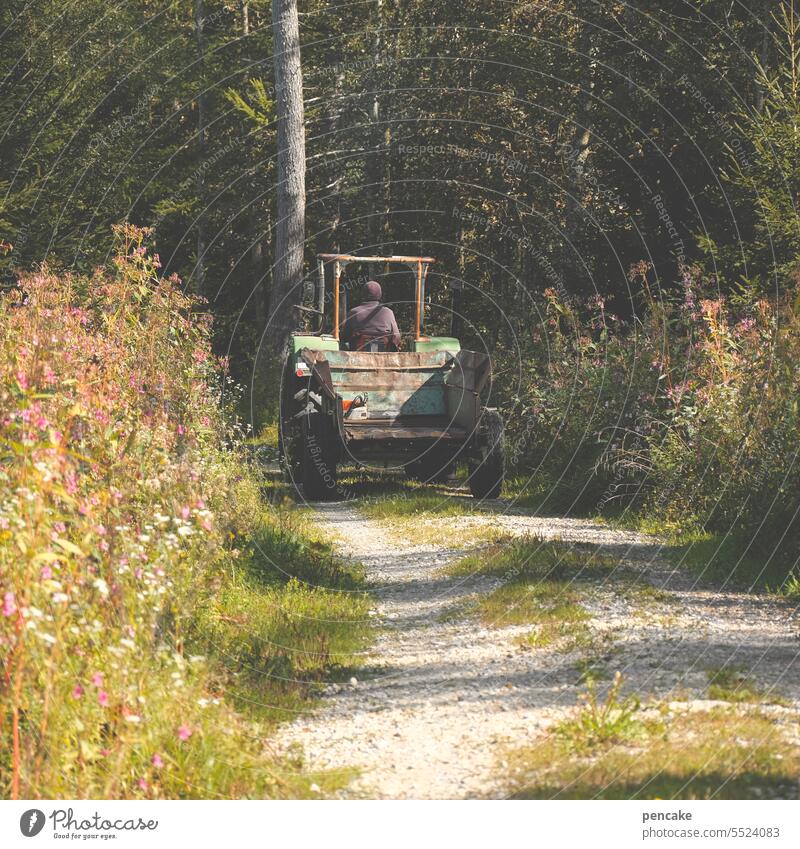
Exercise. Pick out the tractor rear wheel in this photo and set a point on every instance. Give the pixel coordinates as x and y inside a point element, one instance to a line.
<point>319,459</point>
<point>487,470</point>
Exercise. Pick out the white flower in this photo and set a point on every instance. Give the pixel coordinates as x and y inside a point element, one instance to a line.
<point>59,598</point>
<point>129,644</point>
<point>101,586</point>
<point>185,531</point>
<point>48,638</point>
<point>132,717</point>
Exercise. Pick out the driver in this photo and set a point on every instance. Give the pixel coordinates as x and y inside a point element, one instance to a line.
<point>371,326</point>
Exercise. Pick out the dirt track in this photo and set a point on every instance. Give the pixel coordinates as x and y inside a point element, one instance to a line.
<point>440,696</point>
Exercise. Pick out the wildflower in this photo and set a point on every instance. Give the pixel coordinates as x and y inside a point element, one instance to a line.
<point>143,785</point>
<point>77,691</point>
<point>157,761</point>
<point>185,513</point>
<point>9,604</point>
<point>59,598</point>
<point>184,732</point>
<point>102,698</point>
<point>46,574</point>
<point>101,586</point>
<point>185,531</point>
<point>97,679</point>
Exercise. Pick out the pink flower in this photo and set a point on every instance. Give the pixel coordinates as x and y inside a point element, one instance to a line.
<point>97,679</point>
<point>60,527</point>
<point>143,785</point>
<point>185,513</point>
<point>77,691</point>
<point>102,697</point>
<point>9,604</point>
<point>46,573</point>
<point>105,752</point>
<point>157,761</point>
<point>184,732</point>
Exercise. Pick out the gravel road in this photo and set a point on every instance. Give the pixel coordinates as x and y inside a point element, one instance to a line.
<point>440,697</point>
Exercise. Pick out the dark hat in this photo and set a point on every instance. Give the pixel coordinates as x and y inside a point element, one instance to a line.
<point>372,291</point>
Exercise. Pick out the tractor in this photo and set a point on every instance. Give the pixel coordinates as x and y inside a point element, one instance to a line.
<point>419,409</point>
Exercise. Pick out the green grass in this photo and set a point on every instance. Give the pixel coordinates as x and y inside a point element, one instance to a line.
<point>530,558</point>
<point>542,586</point>
<point>567,632</point>
<point>547,604</point>
<point>730,684</point>
<point>415,500</point>
<point>403,506</point>
<point>600,721</point>
<point>720,754</point>
<point>290,618</point>
<point>722,559</point>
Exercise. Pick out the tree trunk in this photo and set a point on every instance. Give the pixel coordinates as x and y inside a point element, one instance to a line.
<point>379,137</point>
<point>256,229</point>
<point>291,188</point>
<point>200,268</point>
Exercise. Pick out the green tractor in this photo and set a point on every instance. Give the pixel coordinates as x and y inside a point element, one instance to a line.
<point>418,409</point>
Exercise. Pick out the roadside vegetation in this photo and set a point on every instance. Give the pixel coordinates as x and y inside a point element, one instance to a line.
<point>613,747</point>
<point>542,583</point>
<point>158,615</point>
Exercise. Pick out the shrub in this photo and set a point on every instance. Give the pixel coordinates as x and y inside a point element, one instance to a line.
<point>688,412</point>
<point>122,516</point>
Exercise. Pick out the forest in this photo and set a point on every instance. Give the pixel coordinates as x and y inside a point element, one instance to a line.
<point>610,190</point>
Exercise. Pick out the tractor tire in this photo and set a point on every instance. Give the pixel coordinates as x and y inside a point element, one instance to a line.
<point>318,469</point>
<point>486,473</point>
<point>289,429</point>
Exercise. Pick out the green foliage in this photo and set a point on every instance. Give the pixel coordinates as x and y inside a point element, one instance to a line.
<point>146,591</point>
<point>720,754</point>
<point>689,416</point>
<point>727,683</point>
<point>601,722</point>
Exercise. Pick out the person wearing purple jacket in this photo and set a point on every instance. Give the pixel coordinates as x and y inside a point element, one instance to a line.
<point>371,325</point>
